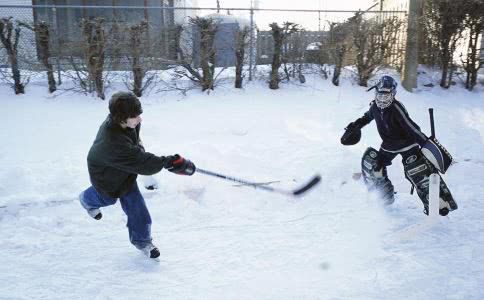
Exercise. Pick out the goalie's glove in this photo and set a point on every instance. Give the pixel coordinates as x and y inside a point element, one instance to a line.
<point>352,135</point>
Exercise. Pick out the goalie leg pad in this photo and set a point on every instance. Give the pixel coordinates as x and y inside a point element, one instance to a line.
<point>417,171</point>
<point>374,180</point>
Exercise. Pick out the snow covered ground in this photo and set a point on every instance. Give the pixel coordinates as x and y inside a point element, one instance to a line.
<point>220,241</point>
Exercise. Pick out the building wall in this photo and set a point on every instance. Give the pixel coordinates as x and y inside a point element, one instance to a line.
<point>224,44</point>
<point>297,42</point>
<point>15,2</point>
<point>23,14</point>
<point>394,5</point>
<point>156,16</point>
<point>65,21</point>
<point>27,45</point>
<point>181,16</point>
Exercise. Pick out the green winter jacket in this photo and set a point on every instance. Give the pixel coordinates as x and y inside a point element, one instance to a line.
<point>117,157</point>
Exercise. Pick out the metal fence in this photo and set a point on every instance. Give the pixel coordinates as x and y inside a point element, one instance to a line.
<point>163,21</point>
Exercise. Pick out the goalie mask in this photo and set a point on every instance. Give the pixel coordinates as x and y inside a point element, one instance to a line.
<point>385,91</point>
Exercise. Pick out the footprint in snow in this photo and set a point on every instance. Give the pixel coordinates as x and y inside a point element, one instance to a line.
<point>194,194</point>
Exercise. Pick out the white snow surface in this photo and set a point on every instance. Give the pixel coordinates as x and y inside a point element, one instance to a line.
<point>222,241</point>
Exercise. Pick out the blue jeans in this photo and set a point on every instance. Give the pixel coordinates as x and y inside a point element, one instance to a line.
<point>133,204</point>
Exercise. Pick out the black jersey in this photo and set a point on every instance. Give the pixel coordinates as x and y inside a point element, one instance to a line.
<point>397,130</point>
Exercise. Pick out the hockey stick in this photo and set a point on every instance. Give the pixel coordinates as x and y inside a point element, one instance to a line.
<point>432,126</point>
<point>297,192</point>
<point>260,183</point>
<point>432,131</point>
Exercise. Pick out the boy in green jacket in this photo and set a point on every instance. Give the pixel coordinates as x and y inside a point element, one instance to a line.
<point>115,159</point>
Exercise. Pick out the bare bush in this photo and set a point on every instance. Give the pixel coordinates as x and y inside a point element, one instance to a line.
<point>94,36</point>
<point>42,34</point>
<point>88,58</point>
<point>141,59</point>
<point>10,43</point>
<point>293,55</point>
<point>445,21</point>
<point>187,59</point>
<point>474,22</point>
<point>279,34</point>
<point>335,48</point>
<point>207,28</point>
<point>373,41</point>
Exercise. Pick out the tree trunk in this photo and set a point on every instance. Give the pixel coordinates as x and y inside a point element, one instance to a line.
<point>276,64</point>
<point>137,79</point>
<point>473,80</point>
<point>6,27</point>
<point>43,39</point>
<point>276,58</point>
<point>363,79</point>
<point>336,74</point>
<point>239,56</point>
<point>137,39</point>
<point>100,84</point>
<point>18,86</point>
<point>207,76</point>
<point>94,36</point>
<point>340,52</point>
<point>207,52</point>
<point>238,67</point>
<point>445,69</point>
<point>472,62</point>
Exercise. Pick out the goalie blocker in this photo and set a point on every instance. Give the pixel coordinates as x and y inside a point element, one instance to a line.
<point>437,155</point>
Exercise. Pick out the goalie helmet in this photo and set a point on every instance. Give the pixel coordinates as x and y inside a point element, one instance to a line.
<point>385,91</point>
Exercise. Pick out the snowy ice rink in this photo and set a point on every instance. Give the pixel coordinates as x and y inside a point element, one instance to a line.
<point>221,241</point>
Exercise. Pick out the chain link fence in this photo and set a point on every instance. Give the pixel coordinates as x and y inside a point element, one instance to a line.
<point>168,29</point>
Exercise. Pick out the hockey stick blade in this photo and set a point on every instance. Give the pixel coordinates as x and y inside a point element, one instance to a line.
<point>312,183</point>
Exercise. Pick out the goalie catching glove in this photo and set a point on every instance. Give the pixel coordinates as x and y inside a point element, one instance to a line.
<point>352,134</point>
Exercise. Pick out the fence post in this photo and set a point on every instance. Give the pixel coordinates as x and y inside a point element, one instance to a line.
<point>251,48</point>
<point>57,46</point>
<point>411,50</point>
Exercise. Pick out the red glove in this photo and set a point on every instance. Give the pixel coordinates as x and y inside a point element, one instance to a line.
<point>179,165</point>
